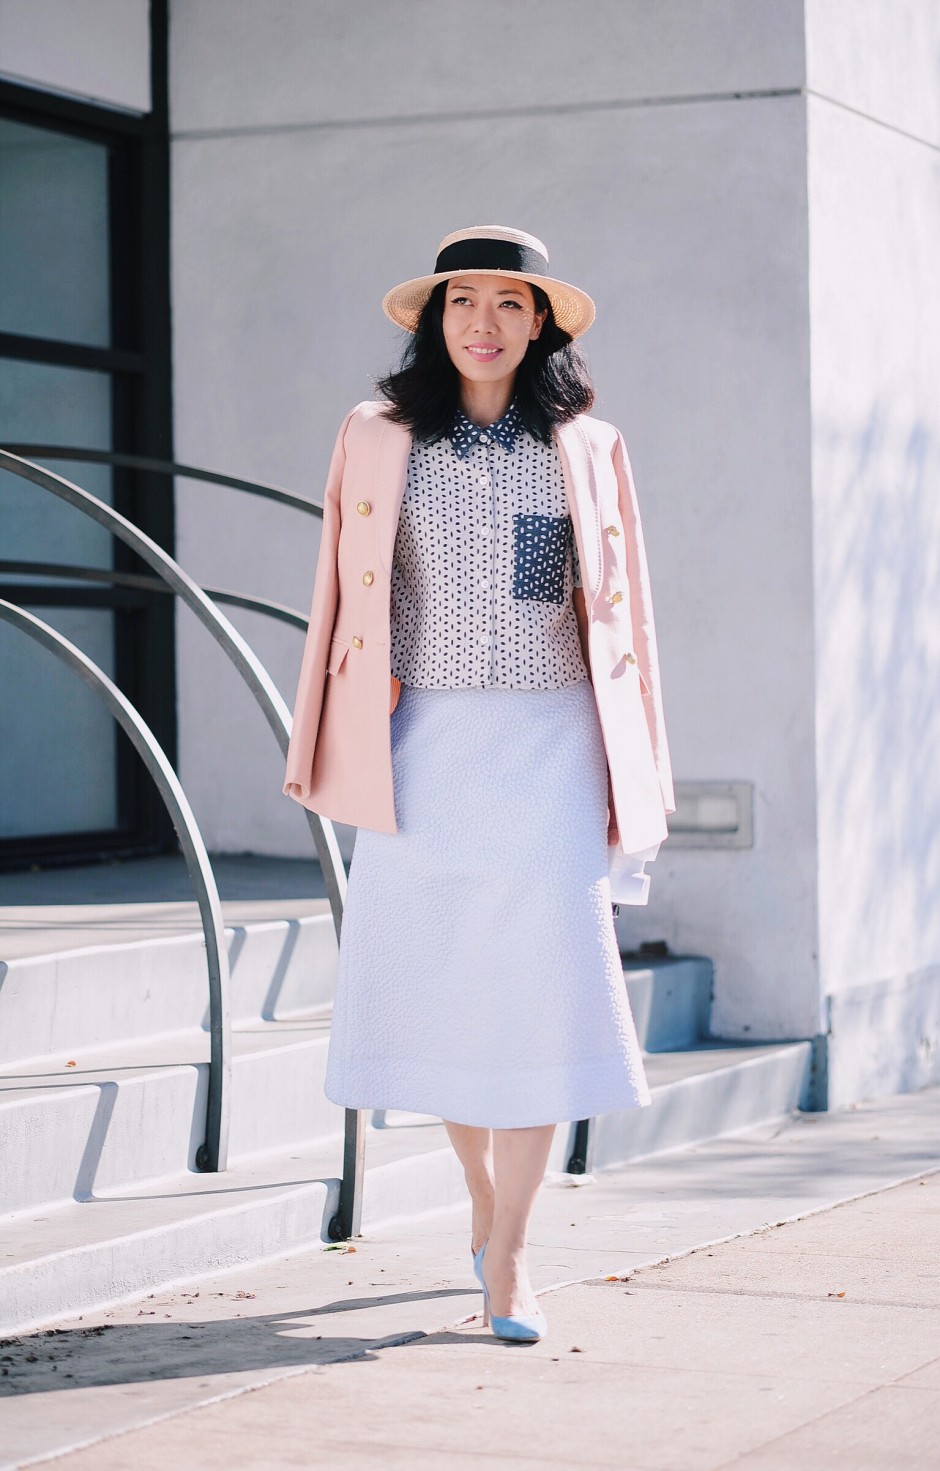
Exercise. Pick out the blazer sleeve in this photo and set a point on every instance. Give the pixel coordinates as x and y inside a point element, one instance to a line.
<point>641,613</point>
<point>310,685</point>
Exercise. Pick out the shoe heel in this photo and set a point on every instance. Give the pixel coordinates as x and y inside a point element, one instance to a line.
<point>478,1273</point>
<point>513,1329</point>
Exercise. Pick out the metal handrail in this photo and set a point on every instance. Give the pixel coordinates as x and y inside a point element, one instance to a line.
<point>346,1221</point>
<point>142,581</point>
<point>212,1154</point>
<point>239,651</point>
<point>164,467</point>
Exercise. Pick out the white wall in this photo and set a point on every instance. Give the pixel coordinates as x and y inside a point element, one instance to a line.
<point>98,50</point>
<point>879,58</point>
<point>874,181</point>
<point>320,152</point>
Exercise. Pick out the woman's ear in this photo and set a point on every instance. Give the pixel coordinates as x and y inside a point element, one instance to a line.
<point>538,322</point>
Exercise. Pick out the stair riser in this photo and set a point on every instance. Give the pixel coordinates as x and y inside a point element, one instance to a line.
<point>706,1106</point>
<point>670,1002</point>
<point>423,1183</point>
<point>94,1138</point>
<point>72,1282</point>
<point>56,1007</point>
<point>63,1146</point>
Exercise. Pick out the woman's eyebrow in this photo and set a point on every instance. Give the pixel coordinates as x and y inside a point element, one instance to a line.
<point>506,291</point>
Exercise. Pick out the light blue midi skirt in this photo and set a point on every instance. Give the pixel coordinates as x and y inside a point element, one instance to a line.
<point>479,976</point>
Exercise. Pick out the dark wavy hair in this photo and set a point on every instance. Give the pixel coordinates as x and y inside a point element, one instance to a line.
<point>552,381</point>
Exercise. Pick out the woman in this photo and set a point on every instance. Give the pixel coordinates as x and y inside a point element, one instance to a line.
<point>479,695</point>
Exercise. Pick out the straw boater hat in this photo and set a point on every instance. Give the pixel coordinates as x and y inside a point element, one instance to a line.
<point>492,250</point>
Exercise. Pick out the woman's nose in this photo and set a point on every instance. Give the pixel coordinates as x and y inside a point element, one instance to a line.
<point>485,319</point>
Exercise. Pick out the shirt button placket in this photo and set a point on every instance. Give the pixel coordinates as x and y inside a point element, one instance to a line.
<point>494,533</point>
<point>480,562</point>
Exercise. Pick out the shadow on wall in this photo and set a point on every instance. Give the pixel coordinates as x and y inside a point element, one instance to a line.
<point>877,576</point>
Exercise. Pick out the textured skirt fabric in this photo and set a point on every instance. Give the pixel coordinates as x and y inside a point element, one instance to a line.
<point>479,977</point>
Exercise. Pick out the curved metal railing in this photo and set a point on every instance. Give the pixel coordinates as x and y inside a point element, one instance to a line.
<point>238,650</point>
<point>147,584</point>
<point>253,672</point>
<point>119,461</point>
<point>212,1154</point>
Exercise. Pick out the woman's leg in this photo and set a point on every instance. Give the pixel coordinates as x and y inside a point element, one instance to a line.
<point>474,1149</point>
<point>519,1160</point>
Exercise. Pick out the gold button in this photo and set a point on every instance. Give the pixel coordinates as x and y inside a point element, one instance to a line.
<point>630,658</point>
<point>363,508</point>
<point>368,578</point>
<point>615,597</point>
<point>357,643</point>
<point>612,530</point>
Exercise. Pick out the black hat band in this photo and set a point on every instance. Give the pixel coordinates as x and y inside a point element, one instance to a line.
<point>490,255</point>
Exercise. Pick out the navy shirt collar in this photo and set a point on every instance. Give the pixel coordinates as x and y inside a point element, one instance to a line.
<point>464,435</point>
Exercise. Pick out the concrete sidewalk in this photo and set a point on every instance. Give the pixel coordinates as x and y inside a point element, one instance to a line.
<point>819,1338</point>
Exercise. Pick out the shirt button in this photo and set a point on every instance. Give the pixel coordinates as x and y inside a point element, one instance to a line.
<point>484,439</point>
<point>368,578</point>
<point>363,508</point>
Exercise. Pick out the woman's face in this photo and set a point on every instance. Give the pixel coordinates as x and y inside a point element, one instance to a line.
<point>488,323</point>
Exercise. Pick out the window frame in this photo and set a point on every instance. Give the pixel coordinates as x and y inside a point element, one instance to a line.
<point>139,363</point>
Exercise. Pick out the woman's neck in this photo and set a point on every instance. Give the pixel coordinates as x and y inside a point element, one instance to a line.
<point>484,403</point>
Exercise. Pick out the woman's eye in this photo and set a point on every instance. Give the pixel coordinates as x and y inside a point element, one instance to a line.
<point>457,300</point>
<point>516,304</point>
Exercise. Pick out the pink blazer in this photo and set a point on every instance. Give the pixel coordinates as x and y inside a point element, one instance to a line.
<point>339,762</point>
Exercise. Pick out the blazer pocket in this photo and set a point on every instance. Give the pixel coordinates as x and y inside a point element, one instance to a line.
<point>338,652</point>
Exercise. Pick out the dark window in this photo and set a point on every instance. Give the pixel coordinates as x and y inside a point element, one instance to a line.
<point>84,361</point>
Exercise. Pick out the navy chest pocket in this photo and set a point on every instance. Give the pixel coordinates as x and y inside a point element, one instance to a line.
<point>539,557</point>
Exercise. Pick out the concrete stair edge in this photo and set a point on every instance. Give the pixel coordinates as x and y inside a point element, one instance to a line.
<point>67,1003</point>
<point>748,1091</point>
<point>145,1123</point>
<point>103,1273</point>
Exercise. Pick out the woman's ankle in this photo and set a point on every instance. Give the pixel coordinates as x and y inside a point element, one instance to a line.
<point>481,1216</point>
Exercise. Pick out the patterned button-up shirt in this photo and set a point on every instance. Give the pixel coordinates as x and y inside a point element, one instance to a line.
<point>484,564</point>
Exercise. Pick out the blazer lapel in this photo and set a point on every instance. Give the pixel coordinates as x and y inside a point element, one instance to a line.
<point>577,463</point>
<point>390,476</point>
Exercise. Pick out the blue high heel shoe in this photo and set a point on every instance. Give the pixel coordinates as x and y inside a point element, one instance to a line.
<point>518,1329</point>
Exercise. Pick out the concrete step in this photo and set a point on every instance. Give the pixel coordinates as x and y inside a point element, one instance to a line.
<point>705,1092</point>
<point>129,1241</point>
<point>133,1112</point>
<point>140,972</point>
<point>670,998</point>
<point>123,1112</point>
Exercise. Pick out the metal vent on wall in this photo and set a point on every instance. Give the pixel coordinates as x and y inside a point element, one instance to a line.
<point>712,814</point>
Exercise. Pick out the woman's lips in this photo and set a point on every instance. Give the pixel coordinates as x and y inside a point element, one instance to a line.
<point>484,354</point>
